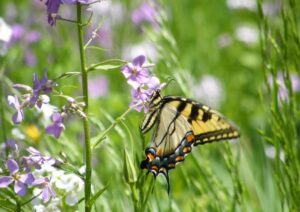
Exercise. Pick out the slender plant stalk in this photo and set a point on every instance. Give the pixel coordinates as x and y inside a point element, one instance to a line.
<point>84,80</point>
<point>18,205</point>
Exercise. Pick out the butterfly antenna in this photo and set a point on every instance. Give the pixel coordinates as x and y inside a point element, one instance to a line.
<point>169,80</point>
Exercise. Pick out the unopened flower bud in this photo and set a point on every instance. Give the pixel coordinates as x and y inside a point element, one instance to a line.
<point>129,169</point>
<point>22,87</point>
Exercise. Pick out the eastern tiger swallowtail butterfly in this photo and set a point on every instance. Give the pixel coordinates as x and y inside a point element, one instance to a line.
<point>179,124</point>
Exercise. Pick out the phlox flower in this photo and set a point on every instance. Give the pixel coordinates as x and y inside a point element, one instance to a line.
<point>20,180</point>
<point>44,85</point>
<point>143,84</point>
<point>36,159</point>
<point>47,190</point>
<point>135,73</point>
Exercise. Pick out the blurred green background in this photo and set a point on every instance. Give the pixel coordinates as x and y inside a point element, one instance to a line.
<point>218,52</point>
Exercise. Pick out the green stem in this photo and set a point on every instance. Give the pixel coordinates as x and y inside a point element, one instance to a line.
<point>134,197</point>
<point>18,205</point>
<point>84,80</point>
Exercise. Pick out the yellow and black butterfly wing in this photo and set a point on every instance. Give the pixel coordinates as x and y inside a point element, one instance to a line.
<point>207,124</point>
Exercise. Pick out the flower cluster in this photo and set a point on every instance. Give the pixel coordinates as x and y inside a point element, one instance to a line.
<point>143,84</point>
<point>20,174</point>
<point>36,96</point>
<point>69,185</point>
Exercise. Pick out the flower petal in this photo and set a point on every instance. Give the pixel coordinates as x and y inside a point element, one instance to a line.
<point>18,117</point>
<point>139,60</point>
<point>127,70</point>
<point>133,83</point>
<point>153,83</point>
<point>55,130</point>
<point>12,166</point>
<point>33,151</point>
<point>20,188</point>
<point>5,181</point>
<point>46,194</point>
<point>27,178</point>
<point>56,117</point>
<point>13,101</point>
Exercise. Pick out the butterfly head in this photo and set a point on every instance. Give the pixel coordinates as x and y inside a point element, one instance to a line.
<point>155,99</point>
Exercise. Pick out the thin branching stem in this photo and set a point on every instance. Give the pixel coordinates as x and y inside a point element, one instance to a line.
<point>84,81</point>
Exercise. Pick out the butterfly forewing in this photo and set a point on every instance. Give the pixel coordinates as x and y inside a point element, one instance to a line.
<point>169,131</point>
<point>208,125</point>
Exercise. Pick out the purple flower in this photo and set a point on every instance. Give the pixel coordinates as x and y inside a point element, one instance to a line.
<point>52,10</point>
<point>135,73</point>
<point>139,99</point>
<point>141,81</point>
<point>145,13</point>
<point>44,85</point>
<point>140,96</point>
<point>18,117</point>
<point>98,86</point>
<point>20,180</point>
<point>53,7</point>
<point>11,143</point>
<point>57,126</point>
<point>36,159</point>
<point>47,190</point>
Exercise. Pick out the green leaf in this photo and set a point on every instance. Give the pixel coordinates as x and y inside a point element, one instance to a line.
<point>67,75</point>
<point>8,206</point>
<point>107,65</point>
<point>95,47</point>
<point>91,202</point>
